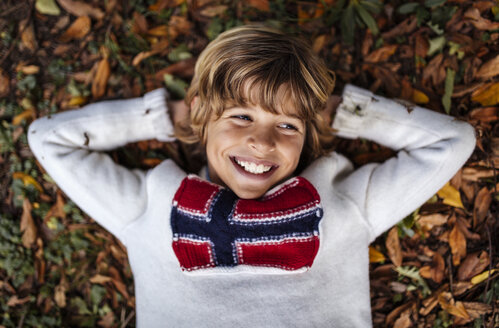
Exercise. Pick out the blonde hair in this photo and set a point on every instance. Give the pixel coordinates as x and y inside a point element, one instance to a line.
<point>263,59</point>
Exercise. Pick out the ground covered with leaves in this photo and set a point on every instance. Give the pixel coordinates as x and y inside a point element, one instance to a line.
<point>436,268</point>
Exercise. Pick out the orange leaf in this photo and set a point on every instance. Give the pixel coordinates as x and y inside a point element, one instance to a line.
<point>100,279</point>
<point>457,243</point>
<point>28,35</point>
<point>488,95</point>
<point>161,30</point>
<point>28,70</point>
<point>381,54</point>
<point>393,246</point>
<point>100,79</point>
<point>419,97</point>
<point>27,227</point>
<point>375,256</point>
<point>455,308</point>
<point>79,8</point>
<point>262,5</point>
<point>319,43</point>
<point>4,83</point>
<point>80,27</point>
<point>28,114</point>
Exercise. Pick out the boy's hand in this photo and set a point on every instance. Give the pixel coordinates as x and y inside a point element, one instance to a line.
<point>179,111</point>
<point>328,113</point>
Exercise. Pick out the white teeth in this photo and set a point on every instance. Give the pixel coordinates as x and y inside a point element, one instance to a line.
<point>254,168</point>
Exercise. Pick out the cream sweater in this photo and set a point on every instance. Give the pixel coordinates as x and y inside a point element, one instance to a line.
<point>358,206</point>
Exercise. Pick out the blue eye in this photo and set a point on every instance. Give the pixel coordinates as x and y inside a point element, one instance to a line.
<point>288,126</point>
<point>242,117</point>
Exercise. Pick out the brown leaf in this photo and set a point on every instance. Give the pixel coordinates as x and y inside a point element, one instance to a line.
<point>183,68</point>
<point>60,295</point>
<point>4,83</point>
<point>179,25</point>
<point>139,24</point>
<point>79,8</point>
<point>28,227</point>
<point>480,23</point>
<point>406,27</point>
<point>489,69</point>
<point>165,4</point>
<point>100,279</point>
<point>427,222</point>
<point>393,246</point>
<point>319,43</point>
<point>213,11</point>
<point>475,309</point>
<point>107,321</point>
<point>457,243</point>
<point>421,46</point>
<point>100,80</point>
<point>487,95</point>
<point>404,321</point>
<point>80,27</point>
<point>485,114</point>
<point>482,204</point>
<point>455,308</point>
<point>14,300</point>
<point>477,173</point>
<point>57,210</point>
<point>436,270</point>
<point>28,38</point>
<point>434,72</point>
<point>382,54</point>
<point>472,265</point>
<point>262,5</point>
<point>28,69</point>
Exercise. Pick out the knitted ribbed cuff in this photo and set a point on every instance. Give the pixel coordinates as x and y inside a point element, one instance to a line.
<point>156,101</point>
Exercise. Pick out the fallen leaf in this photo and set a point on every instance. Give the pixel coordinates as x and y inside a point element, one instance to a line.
<point>165,4</point>
<point>47,7</point>
<point>485,114</point>
<point>15,301</point>
<point>404,321</point>
<point>107,321</point>
<point>100,279</point>
<point>79,8</point>
<point>489,69</point>
<point>101,77</point>
<point>419,97</point>
<point>60,295</point>
<point>26,115</point>
<point>431,220</point>
<point>4,83</point>
<point>382,54</point>
<point>472,265</point>
<point>393,246</point>
<point>477,173</point>
<point>447,303</point>
<point>436,270</point>
<point>488,95</point>
<point>28,37</point>
<point>475,309</point>
<point>213,11</point>
<point>482,276</point>
<point>183,69</point>
<point>482,204</point>
<point>27,226</point>
<point>473,15</point>
<point>77,101</point>
<point>457,243</point>
<point>375,256</point>
<point>450,196</point>
<point>57,210</point>
<point>80,27</point>
<point>28,69</point>
<point>319,43</point>
<point>262,5</point>
<point>161,30</point>
<point>27,180</point>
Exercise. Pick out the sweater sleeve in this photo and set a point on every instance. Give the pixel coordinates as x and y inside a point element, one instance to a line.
<point>431,147</point>
<point>69,146</point>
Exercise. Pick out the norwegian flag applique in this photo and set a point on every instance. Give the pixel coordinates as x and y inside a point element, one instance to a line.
<point>215,231</point>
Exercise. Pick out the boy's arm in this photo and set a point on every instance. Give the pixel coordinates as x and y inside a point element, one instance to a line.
<point>69,146</point>
<point>431,147</point>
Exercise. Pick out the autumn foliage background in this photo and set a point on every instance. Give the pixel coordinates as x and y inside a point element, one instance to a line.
<point>436,268</point>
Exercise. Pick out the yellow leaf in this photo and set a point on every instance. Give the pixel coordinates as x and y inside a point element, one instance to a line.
<point>27,114</point>
<point>455,308</point>
<point>77,101</point>
<point>450,196</point>
<point>47,7</point>
<point>375,256</point>
<point>419,97</point>
<point>482,276</point>
<point>27,180</point>
<point>161,30</point>
<point>487,96</point>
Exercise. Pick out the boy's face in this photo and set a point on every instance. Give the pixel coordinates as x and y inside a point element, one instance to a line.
<point>250,150</point>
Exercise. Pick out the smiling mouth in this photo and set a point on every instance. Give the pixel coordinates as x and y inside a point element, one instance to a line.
<point>252,167</point>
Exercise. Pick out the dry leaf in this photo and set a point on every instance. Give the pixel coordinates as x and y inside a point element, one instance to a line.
<point>450,196</point>
<point>455,308</point>
<point>165,4</point>
<point>27,226</point>
<point>457,243</point>
<point>28,69</point>
<point>179,25</point>
<point>419,97</point>
<point>161,30</point>
<point>77,101</point>
<point>488,95</point>
<point>480,23</point>
<point>382,54</point>
<point>262,5</point>
<point>482,276</point>
<point>139,24</point>
<point>28,38</point>
<point>47,7</point>
<point>436,270</point>
<point>393,246</point>
<point>60,295</point>
<point>319,43</point>
<point>477,173</point>
<point>475,309</point>
<point>100,279</point>
<point>213,11</point>
<point>26,115</point>
<point>431,220</point>
<point>375,256</point>
<point>404,321</point>
<point>107,321</point>
<point>489,69</point>
<point>100,80</point>
<point>4,83</point>
<point>482,203</point>
<point>57,210</point>
<point>485,114</point>
<point>80,27</point>
<point>14,300</point>
<point>27,180</point>
<point>79,8</point>
<point>472,265</point>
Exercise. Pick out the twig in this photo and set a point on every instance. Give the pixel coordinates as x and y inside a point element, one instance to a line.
<point>491,256</point>
<point>128,318</point>
<point>449,264</point>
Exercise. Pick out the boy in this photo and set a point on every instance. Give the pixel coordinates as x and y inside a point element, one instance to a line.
<point>274,232</point>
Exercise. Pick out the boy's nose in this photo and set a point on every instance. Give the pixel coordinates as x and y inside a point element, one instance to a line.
<point>262,140</point>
